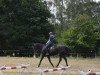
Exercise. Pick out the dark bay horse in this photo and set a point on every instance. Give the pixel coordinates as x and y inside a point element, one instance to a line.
<point>61,50</point>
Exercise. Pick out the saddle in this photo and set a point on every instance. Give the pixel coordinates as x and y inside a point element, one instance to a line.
<point>51,49</point>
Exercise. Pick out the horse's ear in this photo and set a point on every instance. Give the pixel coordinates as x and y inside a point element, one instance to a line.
<point>33,44</point>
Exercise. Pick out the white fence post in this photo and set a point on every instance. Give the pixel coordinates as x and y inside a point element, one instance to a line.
<point>1,73</point>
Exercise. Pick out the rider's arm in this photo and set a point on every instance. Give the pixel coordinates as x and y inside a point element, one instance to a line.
<point>48,41</point>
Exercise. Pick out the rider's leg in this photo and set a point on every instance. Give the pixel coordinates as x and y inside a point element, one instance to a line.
<point>48,48</point>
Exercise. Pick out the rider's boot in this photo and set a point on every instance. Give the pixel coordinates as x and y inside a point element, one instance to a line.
<point>47,53</point>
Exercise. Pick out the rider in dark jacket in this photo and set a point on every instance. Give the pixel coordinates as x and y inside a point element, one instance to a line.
<point>50,42</point>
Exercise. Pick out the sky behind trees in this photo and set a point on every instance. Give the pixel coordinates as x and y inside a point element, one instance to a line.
<point>97,0</point>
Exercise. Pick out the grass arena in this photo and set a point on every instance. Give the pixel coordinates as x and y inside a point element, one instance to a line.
<point>75,63</point>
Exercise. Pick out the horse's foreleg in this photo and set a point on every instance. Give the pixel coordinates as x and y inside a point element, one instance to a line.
<point>50,60</point>
<point>65,60</point>
<point>40,61</point>
<point>60,59</point>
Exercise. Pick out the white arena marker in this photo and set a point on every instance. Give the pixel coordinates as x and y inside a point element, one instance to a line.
<point>89,73</point>
<point>54,69</point>
<point>94,73</point>
<point>1,73</point>
<point>12,67</point>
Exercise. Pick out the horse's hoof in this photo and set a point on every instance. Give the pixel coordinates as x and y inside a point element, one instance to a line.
<point>37,66</point>
<point>56,66</point>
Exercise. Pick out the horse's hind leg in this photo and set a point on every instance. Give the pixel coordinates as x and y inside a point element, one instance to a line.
<point>65,60</point>
<point>60,59</point>
<point>40,61</point>
<point>50,60</point>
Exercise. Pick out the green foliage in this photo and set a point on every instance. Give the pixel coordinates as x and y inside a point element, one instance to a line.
<point>23,22</point>
<point>81,33</point>
<point>77,7</point>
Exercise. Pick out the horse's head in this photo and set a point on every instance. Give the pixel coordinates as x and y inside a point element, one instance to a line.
<point>37,49</point>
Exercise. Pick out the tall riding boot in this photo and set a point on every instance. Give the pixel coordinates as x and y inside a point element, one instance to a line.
<point>47,53</point>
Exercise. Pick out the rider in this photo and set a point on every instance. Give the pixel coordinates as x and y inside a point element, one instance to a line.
<point>50,42</point>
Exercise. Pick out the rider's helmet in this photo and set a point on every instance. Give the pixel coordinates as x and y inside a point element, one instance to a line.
<point>50,33</point>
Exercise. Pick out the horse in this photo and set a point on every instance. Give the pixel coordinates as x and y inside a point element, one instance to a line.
<point>61,50</point>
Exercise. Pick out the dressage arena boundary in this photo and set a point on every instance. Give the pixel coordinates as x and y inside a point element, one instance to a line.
<point>67,69</point>
<point>89,72</point>
<point>13,67</point>
<point>60,70</point>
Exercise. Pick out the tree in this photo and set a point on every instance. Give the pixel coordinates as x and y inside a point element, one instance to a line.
<point>66,10</point>
<point>23,22</point>
<point>88,7</point>
<point>83,34</point>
